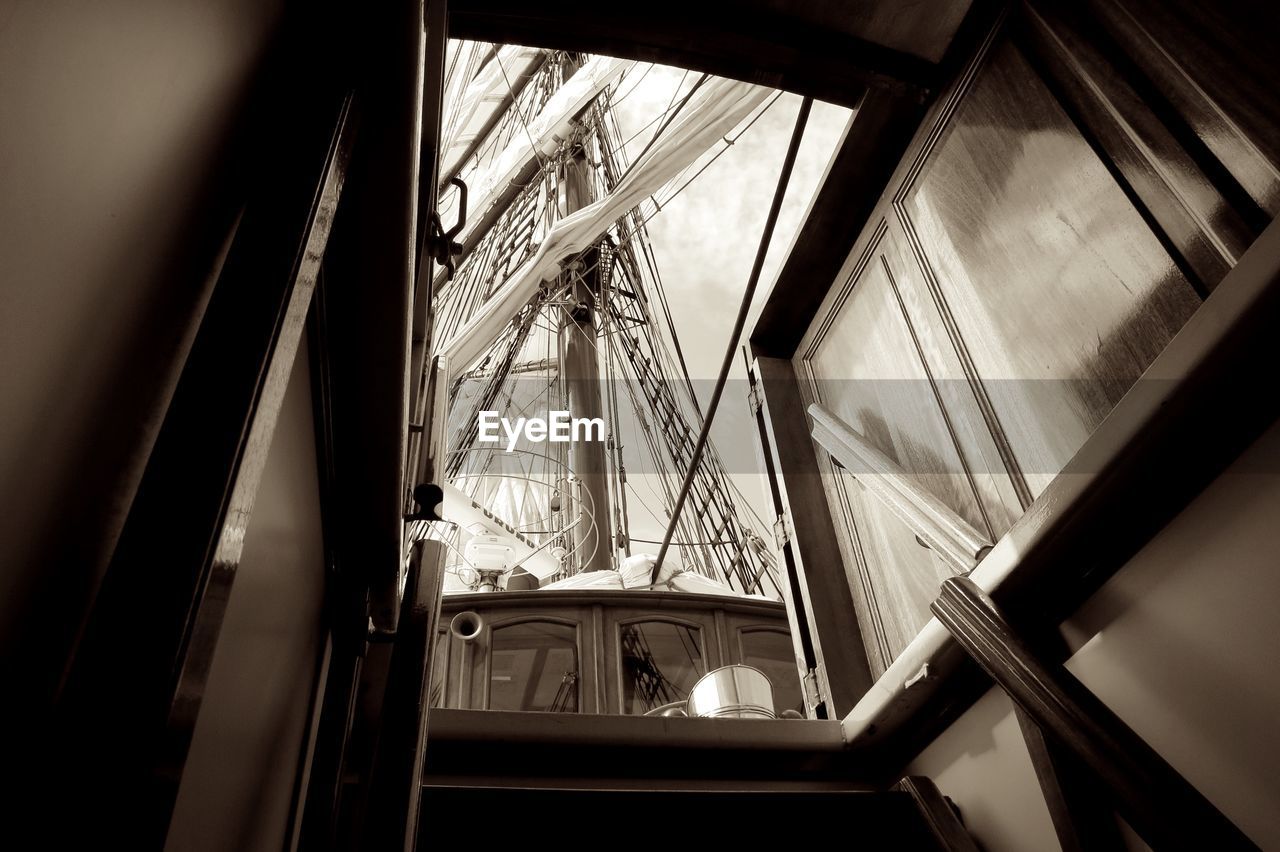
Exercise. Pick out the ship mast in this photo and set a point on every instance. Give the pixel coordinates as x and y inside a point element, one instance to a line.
<point>580,370</point>
<point>555,293</point>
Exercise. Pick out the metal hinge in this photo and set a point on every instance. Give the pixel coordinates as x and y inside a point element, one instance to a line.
<point>781,532</point>
<point>814,694</point>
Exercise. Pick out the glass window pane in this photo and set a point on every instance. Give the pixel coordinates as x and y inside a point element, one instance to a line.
<point>534,666</point>
<point>770,651</point>
<point>661,662</point>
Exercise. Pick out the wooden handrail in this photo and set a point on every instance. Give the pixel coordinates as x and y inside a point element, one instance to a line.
<point>396,777</point>
<point>1149,793</point>
<point>936,524</point>
<point>939,816</point>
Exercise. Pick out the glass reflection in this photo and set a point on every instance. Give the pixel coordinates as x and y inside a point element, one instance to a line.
<point>770,651</point>
<point>661,662</point>
<point>534,666</point>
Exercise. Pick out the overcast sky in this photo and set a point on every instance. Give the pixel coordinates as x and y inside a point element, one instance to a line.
<point>706,238</point>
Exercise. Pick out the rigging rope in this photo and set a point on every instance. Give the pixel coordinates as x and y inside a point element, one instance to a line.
<point>671,117</point>
<point>765,239</point>
<point>515,104</point>
<point>714,499</point>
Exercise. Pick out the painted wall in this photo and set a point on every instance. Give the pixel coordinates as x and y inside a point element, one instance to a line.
<point>981,763</point>
<point>113,118</point>
<point>1182,643</point>
<point>238,786</point>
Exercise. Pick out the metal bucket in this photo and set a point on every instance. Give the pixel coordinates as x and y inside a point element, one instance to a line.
<point>732,692</point>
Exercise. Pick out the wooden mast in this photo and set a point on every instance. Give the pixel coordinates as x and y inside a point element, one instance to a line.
<point>581,371</point>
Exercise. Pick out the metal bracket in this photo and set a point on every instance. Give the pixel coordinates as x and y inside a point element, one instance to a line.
<point>781,532</point>
<point>918,677</point>
<point>441,246</point>
<point>813,692</point>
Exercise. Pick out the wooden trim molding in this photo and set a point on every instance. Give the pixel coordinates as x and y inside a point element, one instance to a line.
<point>812,552</point>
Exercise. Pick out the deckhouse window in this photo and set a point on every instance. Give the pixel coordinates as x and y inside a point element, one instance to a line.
<point>770,651</point>
<point>661,661</point>
<point>534,666</point>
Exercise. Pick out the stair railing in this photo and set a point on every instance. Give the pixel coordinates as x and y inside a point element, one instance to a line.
<point>1165,810</point>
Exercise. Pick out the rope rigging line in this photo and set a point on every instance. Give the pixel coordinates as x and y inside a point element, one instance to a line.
<point>714,529</point>
<point>657,134</point>
<point>783,180</point>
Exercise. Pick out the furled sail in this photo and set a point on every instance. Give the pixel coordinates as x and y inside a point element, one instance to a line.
<point>552,182</point>
<point>484,96</point>
<point>713,112</point>
<point>544,134</point>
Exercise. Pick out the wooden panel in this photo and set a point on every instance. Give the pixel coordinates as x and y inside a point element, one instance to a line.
<point>865,368</point>
<point>861,362</point>
<point>1002,493</point>
<point>1198,220</point>
<point>1215,62</point>
<point>984,327</point>
<point>875,641</point>
<point>1058,291</point>
<point>898,575</point>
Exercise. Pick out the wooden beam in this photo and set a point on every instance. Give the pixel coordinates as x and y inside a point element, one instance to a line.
<point>755,43</point>
<point>799,619</point>
<point>812,545</point>
<point>1081,819</point>
<point>868,153</point>
<point>939,815</point>
<point>369,283</point>
<point>496,748</point>
<point>358,359</point>
<point>395,784</point>
<point>424,289</point>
